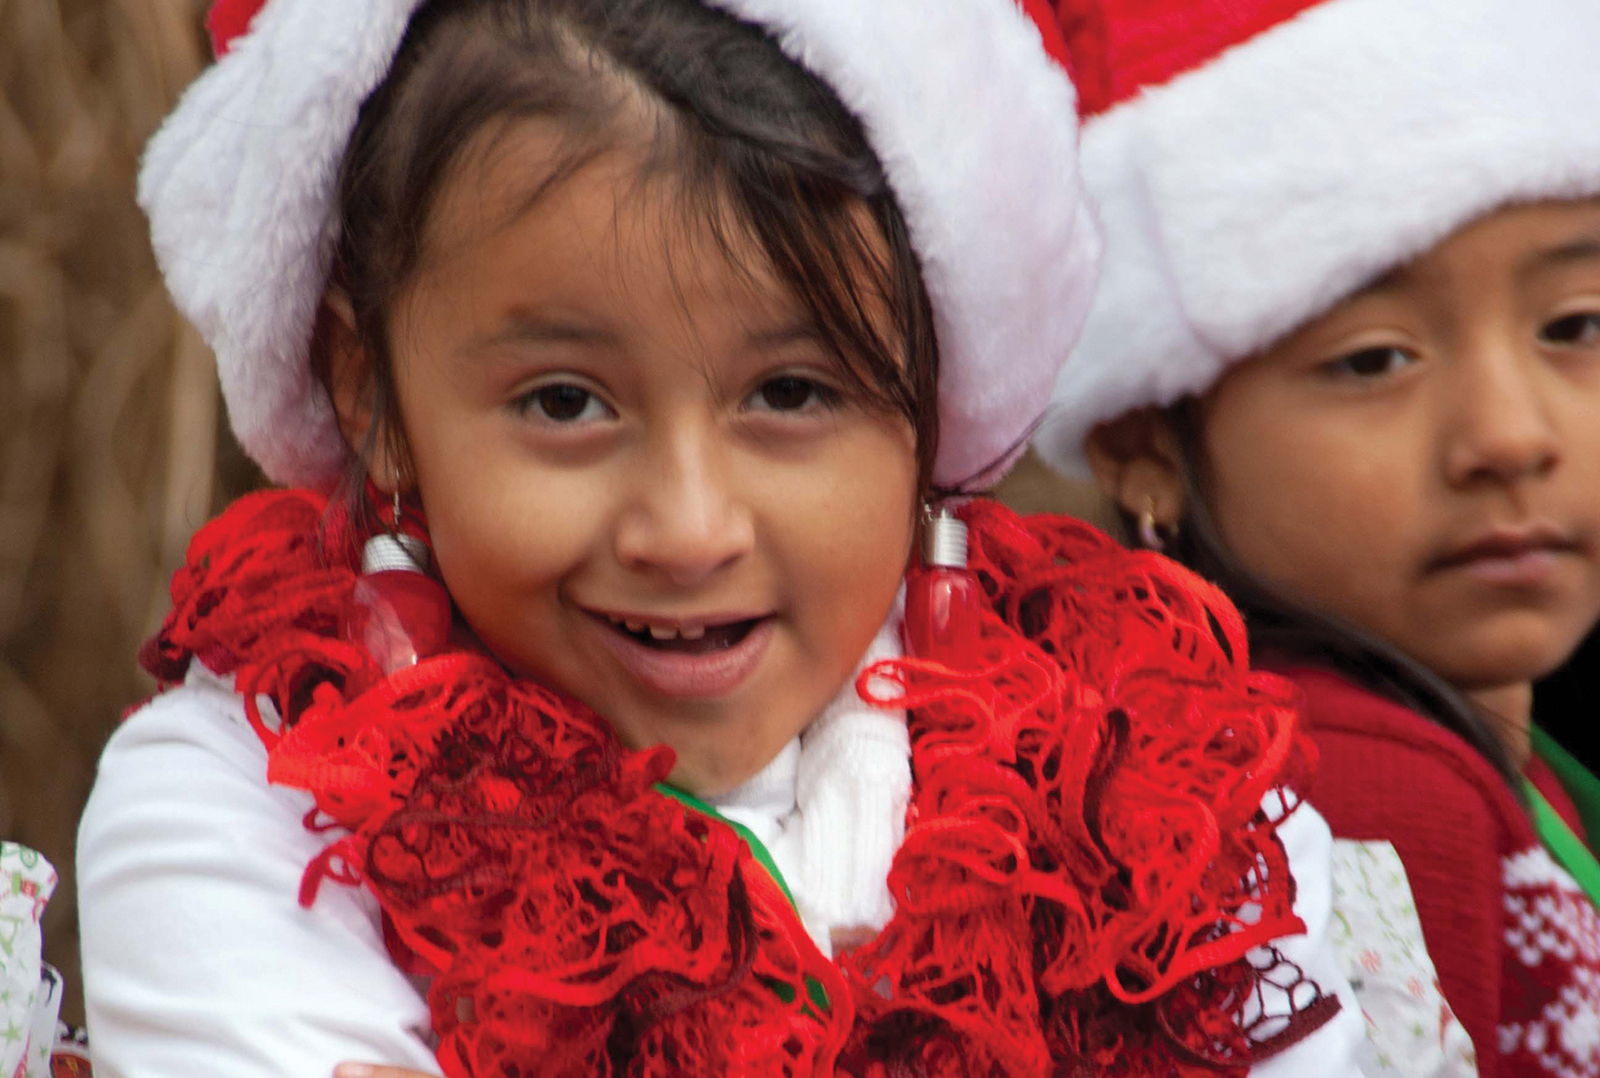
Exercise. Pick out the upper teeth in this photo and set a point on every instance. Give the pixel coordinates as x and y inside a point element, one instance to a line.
<point>662,632</point>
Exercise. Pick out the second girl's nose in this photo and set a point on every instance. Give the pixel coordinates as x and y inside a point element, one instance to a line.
<point>1501,427</point>
<point>685,519</point>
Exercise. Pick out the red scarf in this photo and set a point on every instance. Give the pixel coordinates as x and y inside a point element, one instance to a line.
<point>1084,838</point>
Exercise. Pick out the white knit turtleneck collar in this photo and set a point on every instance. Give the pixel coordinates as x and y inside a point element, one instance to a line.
<point>767,799</point>
<point>831,807</point>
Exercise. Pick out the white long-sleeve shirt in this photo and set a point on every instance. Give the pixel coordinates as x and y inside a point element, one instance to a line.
<point>199,962</point>
<point>198,959</point>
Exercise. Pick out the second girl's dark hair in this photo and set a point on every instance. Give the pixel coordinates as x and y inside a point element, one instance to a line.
<point>1287,628</point>
<point>757,147</point>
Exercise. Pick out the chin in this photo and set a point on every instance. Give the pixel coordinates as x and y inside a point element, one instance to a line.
<point>710,779</point>
<point>1511,660</point>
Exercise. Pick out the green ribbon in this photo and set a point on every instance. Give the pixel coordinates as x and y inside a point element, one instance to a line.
<point>1584,789</point>
<point>758,850</point>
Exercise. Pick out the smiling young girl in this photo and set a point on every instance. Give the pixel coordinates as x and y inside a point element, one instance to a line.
<point>630,337</point>
<point>1346,363</point>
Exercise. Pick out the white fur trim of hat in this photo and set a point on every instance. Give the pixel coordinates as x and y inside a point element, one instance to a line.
<point>974,122</point>
<point>1249,192</point>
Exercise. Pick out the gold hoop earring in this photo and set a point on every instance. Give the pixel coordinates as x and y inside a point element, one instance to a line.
<point>1149,535</point>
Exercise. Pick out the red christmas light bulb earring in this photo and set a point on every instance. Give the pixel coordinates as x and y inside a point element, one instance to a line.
<point>397,612</point>
<point>943,596</point>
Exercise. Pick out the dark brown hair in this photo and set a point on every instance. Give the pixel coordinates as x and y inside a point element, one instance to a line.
<point>1288,628</point>
<point>759,146</point>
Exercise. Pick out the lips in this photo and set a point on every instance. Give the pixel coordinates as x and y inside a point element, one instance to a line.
<point>690,658</point>
<point>1523,556</point>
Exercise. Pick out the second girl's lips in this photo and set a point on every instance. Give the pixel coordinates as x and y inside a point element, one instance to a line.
<point>690,659</point>
<point>1510,557</point>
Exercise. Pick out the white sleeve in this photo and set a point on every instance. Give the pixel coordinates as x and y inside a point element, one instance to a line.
<point>198,960</point>
<point>1332,1050</point>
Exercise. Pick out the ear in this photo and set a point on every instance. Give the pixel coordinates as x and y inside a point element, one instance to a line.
<point>352,383</point>
<point>1137,462</point>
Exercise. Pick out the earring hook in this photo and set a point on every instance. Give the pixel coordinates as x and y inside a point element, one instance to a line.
<point>1149,535</point>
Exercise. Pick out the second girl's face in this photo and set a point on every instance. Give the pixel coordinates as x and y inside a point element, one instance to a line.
<point>1425,459</point>
<point>646,482</point>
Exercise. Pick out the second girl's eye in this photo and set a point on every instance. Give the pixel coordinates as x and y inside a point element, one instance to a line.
<point>563,402</point>
<point>792,393</point>
<point>1370,363</point>
<point>1574,329</point>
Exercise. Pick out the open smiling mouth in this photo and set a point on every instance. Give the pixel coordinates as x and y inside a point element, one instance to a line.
<point>688,659</point>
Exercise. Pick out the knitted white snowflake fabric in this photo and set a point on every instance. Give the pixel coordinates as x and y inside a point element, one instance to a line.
<point>1551,979</point>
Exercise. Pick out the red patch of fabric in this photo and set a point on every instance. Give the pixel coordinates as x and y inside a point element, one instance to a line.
<point>1119,47</point>
<point>227,19</point>
<point>1086,875</point>
<point>1049,29</point>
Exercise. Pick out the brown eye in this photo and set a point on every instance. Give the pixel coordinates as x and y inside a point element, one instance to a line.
<point>786,394</point>
<point>791,393</point>
<point>562,402</point>
<point>1579,329</point>
<point>1370,363</point>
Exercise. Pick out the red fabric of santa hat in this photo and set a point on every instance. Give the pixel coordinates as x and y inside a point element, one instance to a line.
<point>1252,162</point>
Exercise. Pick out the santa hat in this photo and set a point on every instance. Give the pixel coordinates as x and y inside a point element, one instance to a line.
<point>964,102</point>
<point>1253,162</point>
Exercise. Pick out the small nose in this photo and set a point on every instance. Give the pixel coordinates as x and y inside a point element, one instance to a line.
<point>686,520</point>
<point>1501,429</point>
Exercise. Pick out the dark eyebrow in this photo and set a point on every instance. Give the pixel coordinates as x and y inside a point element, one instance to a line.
<point>789,333</point>
<point>1392,280</point>
<point>525,327</point>
<point>1582,249</point>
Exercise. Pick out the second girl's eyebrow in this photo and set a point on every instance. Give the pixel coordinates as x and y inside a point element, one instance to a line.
<point>1582,249</point>
<point>1392,280</point>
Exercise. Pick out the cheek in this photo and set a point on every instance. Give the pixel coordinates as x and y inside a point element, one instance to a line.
<point>492,537</point>
<point>495,518</point>
<point>504,536</point>
<point>872,505</point>
<point>1322,506</point>
<point>848,525</point>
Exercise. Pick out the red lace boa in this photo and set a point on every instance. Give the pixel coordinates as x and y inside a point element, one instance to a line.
<point>1084,841</point>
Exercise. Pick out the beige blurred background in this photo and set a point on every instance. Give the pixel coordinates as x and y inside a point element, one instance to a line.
<point>112,443</point>
<point>109,421</point>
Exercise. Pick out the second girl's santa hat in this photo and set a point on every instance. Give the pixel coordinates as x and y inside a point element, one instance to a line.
<point>1252,162</point>
<point>964,102</point>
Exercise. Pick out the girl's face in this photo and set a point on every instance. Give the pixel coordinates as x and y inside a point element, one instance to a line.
<point>645,481</point>
<point>1425,459</point>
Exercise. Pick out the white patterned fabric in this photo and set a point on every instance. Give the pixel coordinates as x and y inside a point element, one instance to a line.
<point>1411,1031</point>
<point>30,991</point>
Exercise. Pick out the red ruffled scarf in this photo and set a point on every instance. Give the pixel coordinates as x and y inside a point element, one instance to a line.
<point>1086,863</point>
